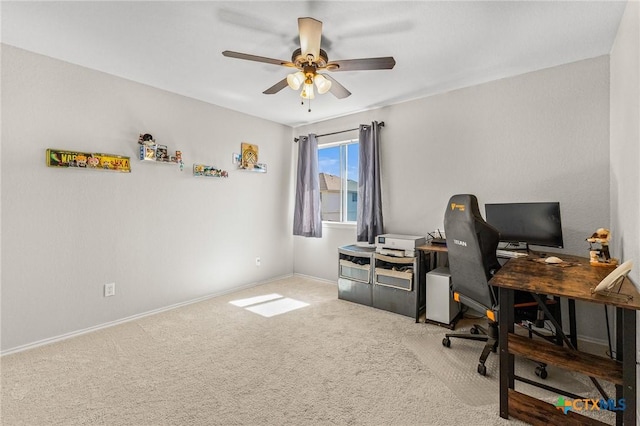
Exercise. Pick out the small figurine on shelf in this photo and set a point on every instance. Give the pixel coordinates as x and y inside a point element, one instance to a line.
<point>162,153</point>
<point>146,139</point>
<point>93,161</point>
<point>179,160</point>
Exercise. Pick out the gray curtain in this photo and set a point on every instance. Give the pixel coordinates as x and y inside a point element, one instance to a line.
<point>306,217</point>
<point>369,194</point>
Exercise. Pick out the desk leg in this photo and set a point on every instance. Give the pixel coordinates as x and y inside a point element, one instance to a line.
<point>505,323</point>
<point>557,313</point>
<point>420,278</point>
<point>573,333</point>
<point>626,351</point>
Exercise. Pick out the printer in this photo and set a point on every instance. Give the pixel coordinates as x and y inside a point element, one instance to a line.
<point>398,245</point>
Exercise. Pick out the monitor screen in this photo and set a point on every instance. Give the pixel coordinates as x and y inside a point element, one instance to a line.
<point>532,223</point>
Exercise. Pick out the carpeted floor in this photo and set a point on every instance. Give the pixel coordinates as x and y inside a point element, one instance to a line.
<point>213,363</point>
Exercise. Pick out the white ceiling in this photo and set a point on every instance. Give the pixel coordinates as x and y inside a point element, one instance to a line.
<point>438,46</point>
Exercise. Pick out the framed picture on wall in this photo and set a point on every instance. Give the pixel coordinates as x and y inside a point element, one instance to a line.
<point>249,156</point>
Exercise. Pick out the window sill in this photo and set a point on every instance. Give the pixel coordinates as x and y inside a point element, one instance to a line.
<point>339,225</point>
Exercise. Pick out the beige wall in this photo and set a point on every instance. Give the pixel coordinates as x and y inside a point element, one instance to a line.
<point>625,146</point>
<point>542,136</point>
<point>163,236</point>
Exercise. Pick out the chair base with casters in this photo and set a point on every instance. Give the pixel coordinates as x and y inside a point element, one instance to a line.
<point>479,333</point>
<point>489,335</point>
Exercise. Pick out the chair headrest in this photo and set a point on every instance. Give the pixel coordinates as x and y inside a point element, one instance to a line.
<point>464,205</point>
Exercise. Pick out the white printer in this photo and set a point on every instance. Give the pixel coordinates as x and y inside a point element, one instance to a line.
<point>398,245</point>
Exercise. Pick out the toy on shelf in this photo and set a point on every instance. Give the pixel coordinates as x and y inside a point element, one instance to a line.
<point>599,248</point>
<point>248,159</point>
<point>146,139</point>
<point>179,159</point>
<point>209,171</point>
<point>151,151</point>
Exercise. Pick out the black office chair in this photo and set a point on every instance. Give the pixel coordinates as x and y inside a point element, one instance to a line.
<point>471,245</point>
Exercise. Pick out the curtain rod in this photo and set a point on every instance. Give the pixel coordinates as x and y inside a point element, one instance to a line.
<point>338,132</point>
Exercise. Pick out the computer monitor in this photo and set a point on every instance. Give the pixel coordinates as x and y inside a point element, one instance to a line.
<point>530,223</point>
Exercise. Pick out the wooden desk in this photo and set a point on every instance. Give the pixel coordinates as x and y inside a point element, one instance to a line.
<point>433,249</point>
<point>573,282</point>
<point>424,252</point>
<point>439,248</point>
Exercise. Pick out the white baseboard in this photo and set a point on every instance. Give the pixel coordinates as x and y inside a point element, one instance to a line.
<point>69,335</point>
<point>324,280</point>
<point>593,345</point>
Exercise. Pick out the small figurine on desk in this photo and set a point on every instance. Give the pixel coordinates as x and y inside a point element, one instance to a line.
<point>599,254</point>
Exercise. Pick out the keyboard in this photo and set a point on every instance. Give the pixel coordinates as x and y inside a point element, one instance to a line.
<point>510,253</point>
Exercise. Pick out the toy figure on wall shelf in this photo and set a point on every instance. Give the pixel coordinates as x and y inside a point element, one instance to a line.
<point>248,159</point>
<point>161,153</point>
<point>599,248</point>
<point>249,155</point>
<point>179,159</point>
<point>209,171</point>
<point>151,151</point>
<point>146,139</point>
<point>93,161</point>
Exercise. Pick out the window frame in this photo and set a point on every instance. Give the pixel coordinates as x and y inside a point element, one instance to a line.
<point>344,189</point>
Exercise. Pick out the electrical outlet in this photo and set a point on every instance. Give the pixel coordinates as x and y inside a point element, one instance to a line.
<point>257,261</point>
<point>109,289</point>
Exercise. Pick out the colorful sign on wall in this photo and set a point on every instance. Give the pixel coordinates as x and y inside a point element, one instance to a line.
<point>88,160</point>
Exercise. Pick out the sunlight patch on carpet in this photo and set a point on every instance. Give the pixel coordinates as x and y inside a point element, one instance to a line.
<point>277,307</point>
<point>269,305</point>
<point>255,300</point>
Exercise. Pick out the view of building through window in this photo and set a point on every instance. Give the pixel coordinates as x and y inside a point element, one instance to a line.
<point>338,168</point>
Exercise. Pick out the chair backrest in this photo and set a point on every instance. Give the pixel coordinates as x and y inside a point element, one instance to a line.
<point>471,246</point>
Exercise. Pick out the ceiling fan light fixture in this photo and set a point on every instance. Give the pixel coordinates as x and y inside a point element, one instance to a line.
<point>307,91</point>
<point>295,80</point>
<point>322,83</point>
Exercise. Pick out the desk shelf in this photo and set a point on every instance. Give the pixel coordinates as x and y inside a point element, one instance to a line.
<point>560,356</point>
<point>538,412</point>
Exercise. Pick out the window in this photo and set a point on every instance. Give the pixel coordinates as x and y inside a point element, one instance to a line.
<point>338,168</point>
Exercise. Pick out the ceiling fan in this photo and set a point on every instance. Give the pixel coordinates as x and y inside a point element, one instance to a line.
<point>309,59</point>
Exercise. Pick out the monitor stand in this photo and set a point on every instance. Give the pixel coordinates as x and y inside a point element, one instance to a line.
<point>516,246</point>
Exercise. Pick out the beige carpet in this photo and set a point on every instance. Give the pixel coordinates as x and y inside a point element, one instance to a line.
<point>213,363</point>
<point>456,367</point>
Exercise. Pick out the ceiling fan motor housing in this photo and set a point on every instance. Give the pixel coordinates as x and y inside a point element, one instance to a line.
<point>301,61</point>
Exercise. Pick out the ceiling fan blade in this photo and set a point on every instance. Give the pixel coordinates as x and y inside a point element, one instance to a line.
<point>384,63</point>
<point>337,89</point>
<point>276,87</point>
<point>310,36</point>
<point>238,55</point>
